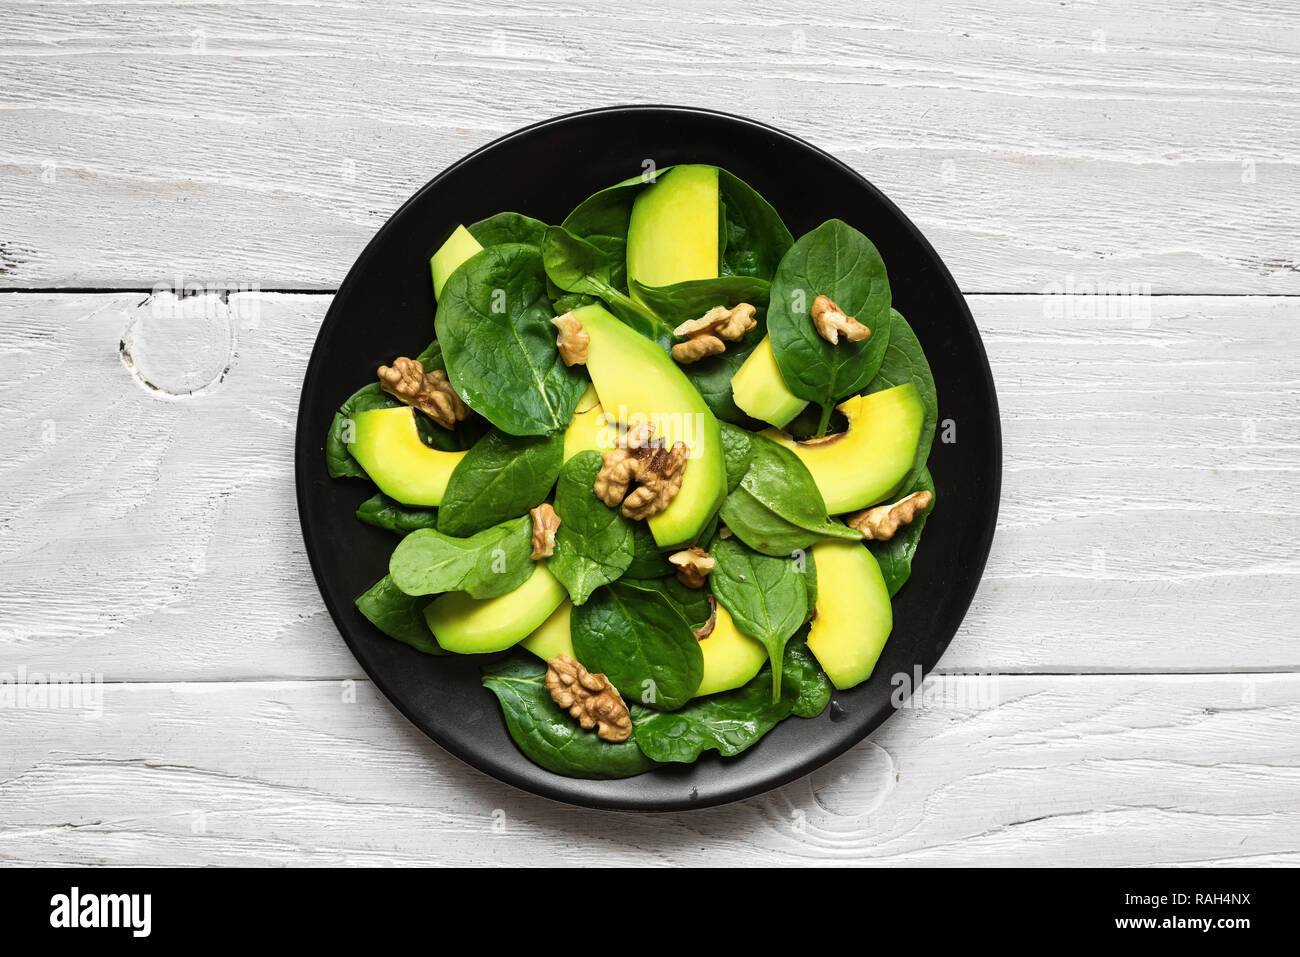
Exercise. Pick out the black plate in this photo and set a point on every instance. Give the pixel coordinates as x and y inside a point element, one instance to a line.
<point>385,308</point>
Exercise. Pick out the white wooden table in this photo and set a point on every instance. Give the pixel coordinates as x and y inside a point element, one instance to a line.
<point>1141,608</point>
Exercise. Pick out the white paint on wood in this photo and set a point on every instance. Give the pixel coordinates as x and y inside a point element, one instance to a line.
<point>1032,143</point>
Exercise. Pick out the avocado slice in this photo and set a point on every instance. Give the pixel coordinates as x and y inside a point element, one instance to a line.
<point>672,235</point>
<point>862,465</point>
<point>552,636</point>
<point>731,657</point>
<point>854,617</point>
<point>459,247</point>
<point>636,378</point>
<point>386,443</point>
<point>583,433</point>
<point>472,626</point>
<point>759,391</point>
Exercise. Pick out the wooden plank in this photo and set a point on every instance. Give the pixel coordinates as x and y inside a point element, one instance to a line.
<point>1032,142</point>
<point>1147,523</point>
<point>1038,770</point>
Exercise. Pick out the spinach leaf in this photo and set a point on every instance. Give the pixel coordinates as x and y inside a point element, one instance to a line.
<point>381,511</point>
<point>895,555</point>
<point>766,596</point>
<point>578,266</point>
<point>754,237</point>
<point>501,477</point>
<point>737,452</point>
<point>906,362</point>
<point>691,603</point>
<point>602,219</point>
<point>648,561</point>
<point>838,261</point>
<point>691,299</point>
<point>431,358</point>
<point>803,671</point>
<point>547,735</point>
<point>641,643</point>
<point>508,228</point>
<point>728,722</point>
<point>338,461</point>
<point>594,543</point>
<point>494,323</point>
<point>399,615</point>
<point>490,563</point>
<point>777,507</point>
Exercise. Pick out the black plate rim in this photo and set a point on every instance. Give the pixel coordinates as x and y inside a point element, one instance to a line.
<point>568,790</point>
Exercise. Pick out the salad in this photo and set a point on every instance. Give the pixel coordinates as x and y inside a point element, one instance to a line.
<point>663,468</point>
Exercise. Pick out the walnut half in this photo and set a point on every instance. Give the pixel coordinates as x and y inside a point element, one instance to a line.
<point>654,470</point>
<point>693,566</point>
<point>430,392</point>
<point>589,698</point>
<point>878,524</point>
<point>572,340</point>
<point>831,322</point>
<point>705,336</point>
<point>545,524</point>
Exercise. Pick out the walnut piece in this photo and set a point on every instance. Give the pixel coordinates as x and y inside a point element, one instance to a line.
<point>879,523</point>
<point>545,525</point>
<point>430,392</point>
<point>642,461</point>
<point>705,336</point>
<point>572,340</point>
<point>693,566</point>
<point>706,629</point>
<point>831,322</point>
<point>589,698</point>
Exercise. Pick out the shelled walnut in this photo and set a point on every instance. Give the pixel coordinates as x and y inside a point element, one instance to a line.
<point>709,334</point>
<point>430,392</point>
<point>879,523</point>
<point>572,340</point>
<point>655,471</point>
<point>706,629</point>
<point>693,566</point>
<point>588,697</point>
<point>831,322</point>
<point>545,524</point>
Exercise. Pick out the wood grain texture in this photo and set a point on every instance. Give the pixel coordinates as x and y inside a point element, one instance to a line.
<point>1148,519</point>
<point>1031,142</point>
<point>1031,770</point>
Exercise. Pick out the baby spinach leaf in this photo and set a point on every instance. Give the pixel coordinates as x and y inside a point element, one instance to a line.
<point>594,543</point>
<point>803,671</point>
<point>490,563</point>
<point>766,596</point>
<point>906,362</point>
<point>754,236</point>
<point>546,734</point>
<point>777,507</point>
<point>895,555</point>
<point>737,452</point>
<point>648,561</point>
<point>494,323</point>
<point>508,228</point>
<point>641,643</point>
<point>838,261</point>
<point>399,615</point>
<point>691,603</point>
<point>381,511</point>
<point>501,477</point>
<point>338,461</point>
<point>578,266</point>
<point>691,299</point>
<point>727,723</point>
<point>431,358</point>
<point>602,219</point>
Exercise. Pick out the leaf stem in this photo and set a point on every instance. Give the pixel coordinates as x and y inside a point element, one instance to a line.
<point>825,422</point>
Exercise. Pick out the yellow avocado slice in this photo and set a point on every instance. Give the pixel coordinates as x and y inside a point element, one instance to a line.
<point>584,431</point>
<point>472,626</point>
<point>459,247</point>
<point>552,636</point>
<point>760,392</point>
<point>672,235</point>
<point>731,657</point>
<point>862,465</point>
<point>637,380</point>
<point>854,617</point>
<point>387,444</point>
